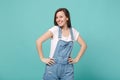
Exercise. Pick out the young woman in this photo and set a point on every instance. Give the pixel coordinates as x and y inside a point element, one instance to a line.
<point>59,65</point>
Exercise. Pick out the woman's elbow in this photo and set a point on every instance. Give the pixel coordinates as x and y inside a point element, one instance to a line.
<point>38,41</point>
<point>84,45</point>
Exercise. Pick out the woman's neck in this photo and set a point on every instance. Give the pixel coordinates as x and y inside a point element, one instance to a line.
<point>65,28</point>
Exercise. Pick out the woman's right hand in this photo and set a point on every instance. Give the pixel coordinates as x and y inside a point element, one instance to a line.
<point>48,61</point>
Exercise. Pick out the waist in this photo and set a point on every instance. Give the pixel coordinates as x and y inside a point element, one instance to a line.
<point>61,60</point>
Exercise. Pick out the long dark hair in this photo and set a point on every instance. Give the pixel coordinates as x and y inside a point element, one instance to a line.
<point>67,14</point>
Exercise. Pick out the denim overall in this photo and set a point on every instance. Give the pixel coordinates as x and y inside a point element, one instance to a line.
<point>61,69</point>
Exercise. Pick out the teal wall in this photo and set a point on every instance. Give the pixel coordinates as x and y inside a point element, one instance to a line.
<point>23,21</point>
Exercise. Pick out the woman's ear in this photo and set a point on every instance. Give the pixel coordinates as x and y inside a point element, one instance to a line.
<point>67,19</point>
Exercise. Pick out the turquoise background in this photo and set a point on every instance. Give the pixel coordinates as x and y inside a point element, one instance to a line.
<point>22,22</point>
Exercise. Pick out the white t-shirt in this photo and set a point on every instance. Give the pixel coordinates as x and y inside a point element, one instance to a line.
<point>54,40</point>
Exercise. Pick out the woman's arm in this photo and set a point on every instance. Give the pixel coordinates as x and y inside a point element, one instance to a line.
<point>82,50</point>
<point>39,42</point>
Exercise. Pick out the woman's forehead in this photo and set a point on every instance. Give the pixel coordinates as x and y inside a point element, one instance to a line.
<point>60,13</point>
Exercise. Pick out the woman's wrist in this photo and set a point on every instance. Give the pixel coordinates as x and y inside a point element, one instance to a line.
<point>41,58</point>
<point>77,59</point>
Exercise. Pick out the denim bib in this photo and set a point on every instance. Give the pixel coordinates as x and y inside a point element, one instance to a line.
<point>63,48</point>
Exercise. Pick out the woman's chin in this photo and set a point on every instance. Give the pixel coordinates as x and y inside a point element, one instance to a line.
<point>60,25</point>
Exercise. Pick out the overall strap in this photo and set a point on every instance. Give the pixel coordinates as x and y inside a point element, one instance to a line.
<point>60,33</point>
<point>71,32</point>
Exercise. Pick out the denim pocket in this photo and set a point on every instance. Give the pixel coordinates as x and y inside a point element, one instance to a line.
<point>70,68</point>
<point>49,72</point>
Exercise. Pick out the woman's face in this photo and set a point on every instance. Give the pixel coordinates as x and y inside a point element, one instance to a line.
<point>61,19</point>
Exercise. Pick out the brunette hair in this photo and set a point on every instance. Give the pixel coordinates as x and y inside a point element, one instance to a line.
<point>67,14</point>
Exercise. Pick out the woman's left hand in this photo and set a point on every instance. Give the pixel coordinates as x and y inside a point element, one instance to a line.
<point>72,61</point>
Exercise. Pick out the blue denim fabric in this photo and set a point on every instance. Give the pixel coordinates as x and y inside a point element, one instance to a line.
<point>61,70</point>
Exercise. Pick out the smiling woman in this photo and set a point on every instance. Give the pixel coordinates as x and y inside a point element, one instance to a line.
<point>61,19</point>
<point>59,65</point>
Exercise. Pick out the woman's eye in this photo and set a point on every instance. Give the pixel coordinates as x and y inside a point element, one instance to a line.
<point>56,17</point>
<point>61,16</point>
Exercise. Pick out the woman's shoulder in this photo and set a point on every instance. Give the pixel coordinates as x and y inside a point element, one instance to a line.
<point>74,29</point>
<point>54,29</point>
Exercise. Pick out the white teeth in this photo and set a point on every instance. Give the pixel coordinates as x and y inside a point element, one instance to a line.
<point>60,22</point>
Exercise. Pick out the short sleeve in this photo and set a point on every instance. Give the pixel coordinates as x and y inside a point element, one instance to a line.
<point>75,33</point>
<point>54,30</point>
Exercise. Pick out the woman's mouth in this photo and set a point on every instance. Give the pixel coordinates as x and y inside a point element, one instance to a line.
<point>59,22</point>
